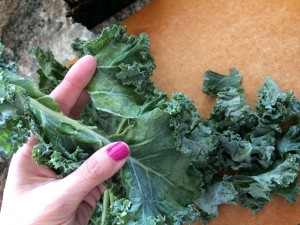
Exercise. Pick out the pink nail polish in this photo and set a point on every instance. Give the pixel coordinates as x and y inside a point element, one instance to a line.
<point>118,151</point>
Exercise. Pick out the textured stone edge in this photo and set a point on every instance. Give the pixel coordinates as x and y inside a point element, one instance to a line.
<point>7,7</point>
<point>122,15</point>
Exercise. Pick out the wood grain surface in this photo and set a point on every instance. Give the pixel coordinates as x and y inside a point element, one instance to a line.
<point>258,38</point>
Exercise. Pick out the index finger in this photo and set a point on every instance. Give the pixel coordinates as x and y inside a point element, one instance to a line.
<point>68,91</point>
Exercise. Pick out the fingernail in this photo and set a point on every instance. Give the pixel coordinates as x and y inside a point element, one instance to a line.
<point>118,151</point>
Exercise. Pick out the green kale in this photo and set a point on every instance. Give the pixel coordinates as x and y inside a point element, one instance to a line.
<point>51,72</point>
<point>215,82</point>
<point>290,142</point>
<point>219,193</point>
<point>13,126</point>
<point>274,106</point>
<point>13,119</point>
<point>131,100</point>
<point>232,112</point>
<point>255,190</point>
<point>252,143</point>
<point>158,192</point>
<point>181,166</point>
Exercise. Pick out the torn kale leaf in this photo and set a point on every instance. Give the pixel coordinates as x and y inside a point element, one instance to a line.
<point>232,112</point>
<point>255,190</point>
<point>290,141</point>
<point>219,193</point>
<point>215,82</point>
<point>274,106</point>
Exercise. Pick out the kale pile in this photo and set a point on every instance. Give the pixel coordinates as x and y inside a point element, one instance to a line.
<point>181,166</point>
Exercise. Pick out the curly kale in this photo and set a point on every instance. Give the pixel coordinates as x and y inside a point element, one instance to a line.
<point>181,166</point>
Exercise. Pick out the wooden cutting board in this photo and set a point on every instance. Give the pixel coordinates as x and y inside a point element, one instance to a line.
<point>257,37</point>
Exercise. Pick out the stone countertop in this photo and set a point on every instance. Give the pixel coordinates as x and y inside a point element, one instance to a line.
<point>25,24</point>
<point>41,23</point>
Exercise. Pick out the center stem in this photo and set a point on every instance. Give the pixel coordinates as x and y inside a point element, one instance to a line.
<point>106,205</point>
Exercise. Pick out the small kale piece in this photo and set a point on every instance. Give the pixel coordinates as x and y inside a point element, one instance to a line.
<point>184,120</point>
<point>218,193</point>
<point>193,137</point>
<point>263,141</point>
<point>232,112</point>
<point>274,106</point>
<point>215,82</point>
<point>255,190</point>
<point>290,193</point>
<point>290,141</point>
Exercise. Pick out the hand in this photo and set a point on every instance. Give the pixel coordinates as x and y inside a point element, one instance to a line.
<point>34,195</point>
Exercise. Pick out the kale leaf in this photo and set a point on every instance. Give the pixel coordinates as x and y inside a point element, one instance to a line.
<point>51,72</point>
<point>13,119</point>
<point>215,82</point>
<point>274,106</point>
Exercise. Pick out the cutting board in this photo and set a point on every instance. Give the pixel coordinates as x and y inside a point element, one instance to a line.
<point>258,38</point>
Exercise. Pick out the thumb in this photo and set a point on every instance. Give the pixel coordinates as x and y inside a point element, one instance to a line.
<point>101,166</point>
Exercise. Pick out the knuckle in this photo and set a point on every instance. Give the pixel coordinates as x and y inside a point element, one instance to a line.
<point>95,170</point>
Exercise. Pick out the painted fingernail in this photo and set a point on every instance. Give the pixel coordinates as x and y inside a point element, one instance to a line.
<point>118,151</point>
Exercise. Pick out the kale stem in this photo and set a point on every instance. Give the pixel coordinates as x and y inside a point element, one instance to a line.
<point>106,204</point>
<point>112,197</point>
<point>121,125</point>
<point>59,116</point>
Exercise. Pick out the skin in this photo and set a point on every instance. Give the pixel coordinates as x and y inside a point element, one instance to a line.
<point>33,194</point>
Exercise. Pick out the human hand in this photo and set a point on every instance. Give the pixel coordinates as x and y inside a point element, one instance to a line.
<point>34,195</point>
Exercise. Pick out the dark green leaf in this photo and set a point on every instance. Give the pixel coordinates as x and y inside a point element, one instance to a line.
<point>222,192</point>
<point>274,106</point>
<point>51,72</point>
<point>216,82</point>
<point>290,142</point>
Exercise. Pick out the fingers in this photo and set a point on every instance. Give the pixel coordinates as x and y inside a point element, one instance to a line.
<point>102,165</point>
<point>28,147</point>
<point>71,88</point>
<point>79,105</point>
<point>87,206</point>
<point>25,152</point>
<point>70,93</point>
<point>92,198</point>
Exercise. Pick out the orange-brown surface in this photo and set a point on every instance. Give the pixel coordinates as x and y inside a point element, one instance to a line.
<point>258,37</point>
